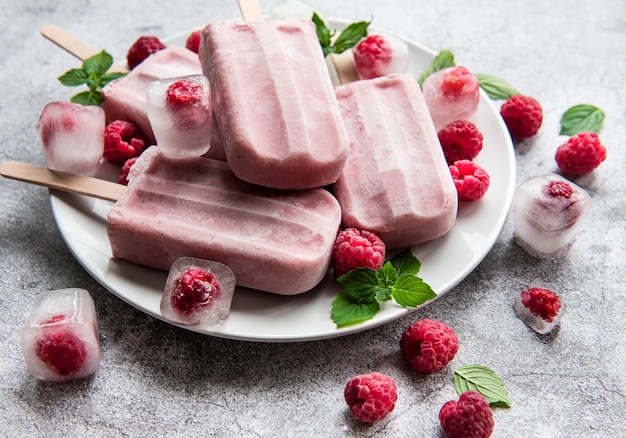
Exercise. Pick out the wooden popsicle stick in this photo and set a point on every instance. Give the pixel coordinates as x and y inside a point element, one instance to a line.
<point>250,10</point>
<point>73,45</point>
<point>344,66</point>
<point>66,182</point>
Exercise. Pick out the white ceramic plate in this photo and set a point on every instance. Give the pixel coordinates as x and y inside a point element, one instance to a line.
<point>261,316</point>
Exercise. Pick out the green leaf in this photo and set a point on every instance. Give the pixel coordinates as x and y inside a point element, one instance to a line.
<point>411,291</point>
<point>483,380</point>
<point>98,64</point>
<point>347,310</point>
<point>323,33</point>
<point>109,77</point>
<point>495,87</point>
<point>387,274</point>
<point>350,36</point>
<point>360,282</point>
<point>582,118</point>
<point>444,59</point>
<point>74,77</point>
<point>406,263</point>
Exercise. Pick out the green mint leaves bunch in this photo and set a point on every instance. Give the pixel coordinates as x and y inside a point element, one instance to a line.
<point>346,39</point>
<point>365,288</point>
<point>92,73</point>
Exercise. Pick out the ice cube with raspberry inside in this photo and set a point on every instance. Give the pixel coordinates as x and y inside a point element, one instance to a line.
<point>540,308</point>
<point>380,55</point>
<point>197,292</point>
<point>59,339</point>
<point>72,136</point>
<point>181,114</point>
<point>547,213</point>
<point>451,94</point>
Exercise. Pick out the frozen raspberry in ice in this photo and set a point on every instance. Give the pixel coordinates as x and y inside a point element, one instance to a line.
<point>540,308</point>
<point>72,136</point>
<point>181,114</point>
<point>451,94</point>
<point>380,55</point>
<point>197,292</point>
<point>60,336</point>
<point>547,212</point>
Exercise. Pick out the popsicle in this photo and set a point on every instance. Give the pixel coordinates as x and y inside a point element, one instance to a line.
<point>274,102</point>
<point>396,182</point>
<point>273,240</point>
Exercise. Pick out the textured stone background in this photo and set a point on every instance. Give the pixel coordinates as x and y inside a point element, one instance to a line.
<point>157,380</point>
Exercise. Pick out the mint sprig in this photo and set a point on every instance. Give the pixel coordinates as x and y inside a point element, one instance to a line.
<point>484,380</point>
<point>444,59</point>
<point>582,118</point>
<point>346,39</point>
<point>92,73</point>
<point>365,288</point>
<point>495,87</point>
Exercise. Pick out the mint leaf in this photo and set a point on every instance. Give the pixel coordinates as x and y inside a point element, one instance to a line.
<point>109,77</point>
<point>98,64</point>
<point>347,310</point>
<point>91,97</point>
<point>495,87</point>
<point>444,59</point>
<point>323,33</point>
<point>74,77</point>
<point>406,263</point>
<point>360,282</point>
<point>582,118</point>
<point>411,291</point>
<point>350,36</point>
<point>483,380</point>
<point>387,274</point>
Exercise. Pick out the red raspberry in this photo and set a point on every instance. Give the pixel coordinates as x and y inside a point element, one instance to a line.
<point>428,345</point>
<point>357,249</point>
<point>581,154</point>
<point>456,80</point>
<point>541,302</point>
<point>183,93</point>
<point>460,140</point>
<point>471,180</point>
<point>194,40</point>
<point>63,351</point>
<point>122,140</point>
<point>371,397</point>
<point>558,189</point>
<point>193,289</point>
<point>141,49</point>
<point>470,417</point>
<point>523,116</point>
<point>371,56</point>
<point>125,170</point>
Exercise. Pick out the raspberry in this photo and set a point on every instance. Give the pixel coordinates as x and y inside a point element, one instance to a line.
<point>193,289</point>
<point>125,170</point>
<point>541,302</point>
<point>470,417</point>
<point>460,140</point>
<point>456,80</point>
<point>357,249</point>
<point>141,49</point>
<point>193,41</point>
<point>122,140</point>
<point>522,115</point>
<point>371,397</point>
<point>183,93</point>
<point>471,180</point>
<point>581,154</point>
<point>371,56</point>
<point>428,345</point>
<point>63,351</point>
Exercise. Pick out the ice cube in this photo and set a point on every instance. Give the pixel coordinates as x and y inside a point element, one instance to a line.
<point>60,336</point>
<point>181,114</point>
<point>451,94</point>
<point>547,214</point>
<point>197,292</point>
<point>380,55</point>
<point>541,309</point>
<point>72,136</point>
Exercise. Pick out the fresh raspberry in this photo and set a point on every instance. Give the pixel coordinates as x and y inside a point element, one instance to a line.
<point>470,417</point>
<point>428,345</point>
<point>194,40</point>
<point>471,180</point>
<point>541,302</point>
<point>460,140</point>
<point>122,140</point>
<point>522,115</point>
<point>371,397</point>
<point>581,154</point>
<point>141,49</point>
<point>457,81</point>
<point>125,170</point>
<point>194,289</point>
<point>357,249</point>
<point>63,351</point>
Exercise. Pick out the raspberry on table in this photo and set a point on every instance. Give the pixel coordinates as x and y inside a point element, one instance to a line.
<point>193,41</point>
<point>471,180</point>
<point>428,345</point>
<point>460,140</point>
<point>581,154</point>
<point>522,115</point>
<point>541,302</point>
<point>357,249</point>
<point>371,397</point>
<point>470,417</point>
<point>141,49</point>
<point>193,289</point>
<point>122,140</point>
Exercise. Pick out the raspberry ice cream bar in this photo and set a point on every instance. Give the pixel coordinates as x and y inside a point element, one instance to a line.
<point>274,103</point>
<point>276,241</point>
<point>396,182</point>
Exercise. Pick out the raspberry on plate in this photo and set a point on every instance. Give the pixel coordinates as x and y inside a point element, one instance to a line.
<point>460,140</point>
<point>471,180</point>
<point>540,308</point>
<point>581,154</point>
<point>122,140</point>
<point>428,345</point>
<point>470,417</point>
<point>378,55</point>
<point>522,115</point>
<point>141,49</point>
<point>193,41</point>
<point>371,397</point>
<point>126,170</point>
<point>357,249</point>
